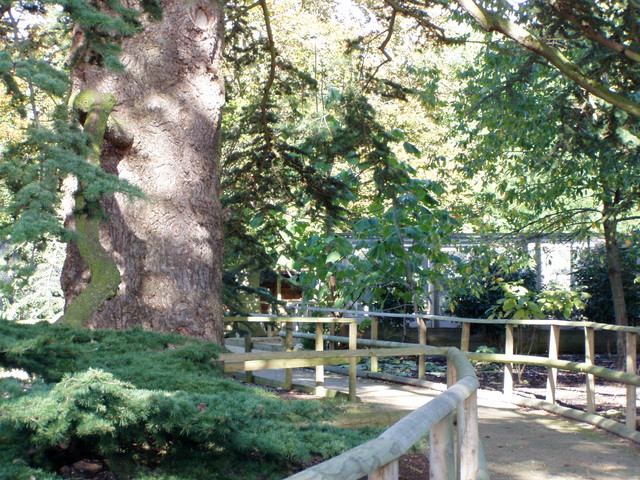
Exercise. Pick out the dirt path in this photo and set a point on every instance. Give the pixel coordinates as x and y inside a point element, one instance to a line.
<point>519,443</point>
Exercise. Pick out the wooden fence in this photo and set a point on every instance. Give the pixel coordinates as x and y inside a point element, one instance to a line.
<point>629,377</point>
<point>509,360</point>
<point>289,359</point>
<point>454,453</point>
<point>457,397</point>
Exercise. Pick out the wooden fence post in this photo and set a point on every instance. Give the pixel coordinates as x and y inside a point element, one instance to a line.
<point>632,358</point>
<point>248,347</point>
<point>452,373</point>
<point>466,336</point>
<point>332,332</point>
<point>442,454</point>
<point>288,347</point>
<point>590,359</point>
<point>468,441</point>
<point>552,373</point>
<point>507,389</point>
<point>320,368</point>
<point>374,336</point>
<point>390,471</point>
<point>353,345</point>
<point>422,338</point>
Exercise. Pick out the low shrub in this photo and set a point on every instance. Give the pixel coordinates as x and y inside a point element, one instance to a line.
<point>151,406</point>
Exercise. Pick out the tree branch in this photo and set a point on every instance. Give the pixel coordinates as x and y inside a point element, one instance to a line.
<point>593,34</point>
<point>492,22</point>
<point>629,219</point>
<point>416,11</point>
<point>264,104</point>
<point>383,46</point>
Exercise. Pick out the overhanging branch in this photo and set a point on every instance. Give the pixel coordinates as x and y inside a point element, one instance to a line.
<point>264,104</point>
<point>593,34</point>
<point>493,22</point>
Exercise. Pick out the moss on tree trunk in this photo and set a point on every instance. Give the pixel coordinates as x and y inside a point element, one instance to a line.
<point>105,276</point>
<point>168,246</point>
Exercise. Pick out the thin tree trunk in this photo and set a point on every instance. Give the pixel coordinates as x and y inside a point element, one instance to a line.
<point>168,245</point>
<point>410,284</point>
<point>614,265</point>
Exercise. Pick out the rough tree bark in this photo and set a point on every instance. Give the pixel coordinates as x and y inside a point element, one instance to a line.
<point>168,245</point>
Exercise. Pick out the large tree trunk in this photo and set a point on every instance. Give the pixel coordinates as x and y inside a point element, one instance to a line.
<point>168,245</point>
<point>614,265</point>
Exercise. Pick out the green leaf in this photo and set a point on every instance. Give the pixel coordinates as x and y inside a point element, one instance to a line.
<point>397,134</point>
<point>332,122</point>
<point>412,149</point>
<point>333,257</point>
<point>256,221</point>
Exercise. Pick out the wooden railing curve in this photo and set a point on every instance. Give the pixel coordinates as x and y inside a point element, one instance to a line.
<point>385,471</point>
<point>450,456</point>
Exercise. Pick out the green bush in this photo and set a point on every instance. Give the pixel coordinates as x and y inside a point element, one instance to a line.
<point>476,295</point>
<point>152,405</point>
<point>592,273</point>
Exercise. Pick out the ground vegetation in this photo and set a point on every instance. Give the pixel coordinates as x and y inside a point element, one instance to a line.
<point>146,405</point>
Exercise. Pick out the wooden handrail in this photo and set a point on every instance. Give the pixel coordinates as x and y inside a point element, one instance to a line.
<point>602,372</point>
<point>406,349</point>
<point>631,341</point>
<point>259,318</point>
<point>381,454</point>
<point>629,378</point>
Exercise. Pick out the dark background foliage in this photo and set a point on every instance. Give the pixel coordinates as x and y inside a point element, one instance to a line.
<point>592,273</point>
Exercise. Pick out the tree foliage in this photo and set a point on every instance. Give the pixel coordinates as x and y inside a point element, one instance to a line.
<point>575,170</point>
<point>475,287</point>
<point>321,156</point>
<point>52,146</point>
<point>391,245</point>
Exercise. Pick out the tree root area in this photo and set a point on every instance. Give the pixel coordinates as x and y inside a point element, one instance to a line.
<point>87,469</point>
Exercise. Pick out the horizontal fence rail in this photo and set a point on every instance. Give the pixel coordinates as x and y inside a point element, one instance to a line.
<point>629,377</point>
<point>462,320</point>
